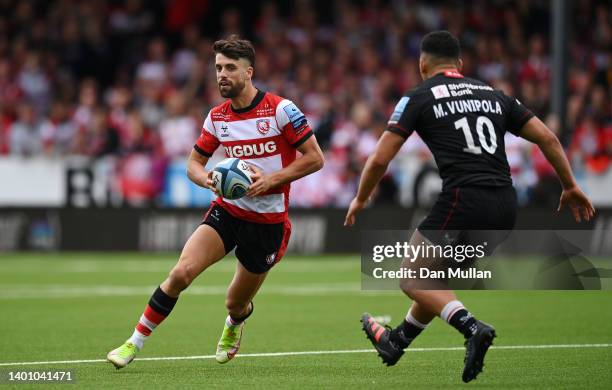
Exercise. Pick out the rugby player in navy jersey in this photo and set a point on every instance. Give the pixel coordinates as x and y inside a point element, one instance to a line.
<point>463,122</point>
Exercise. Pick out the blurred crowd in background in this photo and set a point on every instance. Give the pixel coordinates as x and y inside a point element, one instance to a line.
<point>130,82</point>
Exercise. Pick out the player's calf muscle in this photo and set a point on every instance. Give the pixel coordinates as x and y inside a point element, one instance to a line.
<point>236,307</point>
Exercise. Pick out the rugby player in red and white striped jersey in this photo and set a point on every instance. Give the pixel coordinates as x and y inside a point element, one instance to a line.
<point>267,131</point>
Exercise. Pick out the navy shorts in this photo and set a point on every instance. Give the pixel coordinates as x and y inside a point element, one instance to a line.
<point>471,216</point>
<point>258,245</point>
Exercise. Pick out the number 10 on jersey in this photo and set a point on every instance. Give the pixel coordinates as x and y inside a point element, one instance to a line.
<point>481,123</point>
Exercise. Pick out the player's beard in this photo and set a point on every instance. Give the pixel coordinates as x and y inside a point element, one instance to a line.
<point>232,90</point>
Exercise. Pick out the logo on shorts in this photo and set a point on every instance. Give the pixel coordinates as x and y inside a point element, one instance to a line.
<point>270,258</point>
<point>263,126</point>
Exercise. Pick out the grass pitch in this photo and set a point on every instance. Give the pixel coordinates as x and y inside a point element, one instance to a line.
<point>73,307</point>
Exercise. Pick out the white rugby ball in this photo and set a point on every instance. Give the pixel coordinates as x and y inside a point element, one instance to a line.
<point>232,178</point>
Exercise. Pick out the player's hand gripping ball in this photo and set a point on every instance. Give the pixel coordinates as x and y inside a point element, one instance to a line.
<point>232,178</point>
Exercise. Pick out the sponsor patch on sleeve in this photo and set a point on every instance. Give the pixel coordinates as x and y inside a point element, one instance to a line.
<point>398,110</point>
<point>296,118</point>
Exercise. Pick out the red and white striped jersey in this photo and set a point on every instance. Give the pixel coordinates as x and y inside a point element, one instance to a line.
<point>266,133</point>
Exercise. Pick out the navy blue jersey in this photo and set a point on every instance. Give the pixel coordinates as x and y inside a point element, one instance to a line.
<point>463,122</point>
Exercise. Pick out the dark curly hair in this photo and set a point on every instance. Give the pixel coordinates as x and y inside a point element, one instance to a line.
<point>235,48</point>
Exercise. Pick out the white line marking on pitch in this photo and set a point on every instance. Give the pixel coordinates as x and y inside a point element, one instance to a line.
<point>10,292</point>
<point>298,353</point>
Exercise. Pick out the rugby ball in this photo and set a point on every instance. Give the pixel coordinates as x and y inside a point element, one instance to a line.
<point>232,178</point>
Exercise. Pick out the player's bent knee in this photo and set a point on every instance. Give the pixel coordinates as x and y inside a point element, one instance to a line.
<point>181,277</point>
<point>406,287</point>
<point>409,287</point>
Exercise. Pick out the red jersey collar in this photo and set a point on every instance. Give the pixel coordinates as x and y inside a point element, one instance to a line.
<point>453,73</point>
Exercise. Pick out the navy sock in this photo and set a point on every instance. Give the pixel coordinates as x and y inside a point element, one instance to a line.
<point>464,322</point>
<point>405,333</point>
<point>162,302</point>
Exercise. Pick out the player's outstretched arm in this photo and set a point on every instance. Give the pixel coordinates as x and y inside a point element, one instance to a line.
<point>376,166</point>
<point>572,196</point>
<point>196,171</point>
<point>311,161</point>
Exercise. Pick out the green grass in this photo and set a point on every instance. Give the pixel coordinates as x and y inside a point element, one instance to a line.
<point>57,307</point>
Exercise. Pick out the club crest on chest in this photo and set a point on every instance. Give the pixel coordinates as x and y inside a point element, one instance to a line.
<point>263,126</point>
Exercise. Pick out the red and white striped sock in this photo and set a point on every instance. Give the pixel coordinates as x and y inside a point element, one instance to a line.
<point>159,307</point>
